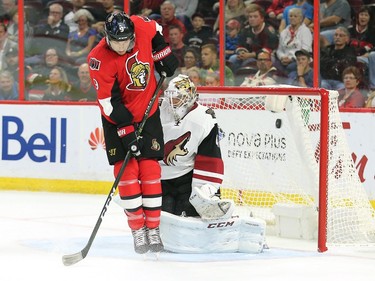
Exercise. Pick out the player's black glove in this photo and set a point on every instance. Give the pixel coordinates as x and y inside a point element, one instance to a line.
<point>165,61</point>
<point>129,139</point>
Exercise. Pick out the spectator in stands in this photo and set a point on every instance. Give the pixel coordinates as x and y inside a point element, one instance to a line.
<point>370,102</point>
<point>6,7</point>
<point>200,33</point>
<point>39,73</point>
<point>12,63</point>
<point>363,40</point>
<point>13,28</point>
<point>5,45</point>
<point>232,37</point>
<point>58,85</point>
<point>350,96</point>
<point>294,37</point>
<point>233,9</point>
<point>83,90</point>
<point>81,41</point>
<point>208,9</point>
<point>194,75</point>
<point>267,74</point>
<point>69,17</point>
<point>371,63</point>
<point>101,14</point>
<point>52,33</point>
<point>191,59</point>
<point>257,35</point>
<point>185,10</point>
<point>148,8</point>
<point>210,62</point>
<point>335,58</point>
<point>11,59</point>
<point>303,75</point>
<point>307,12</point>
<point>177,45</point>
<point>362,34</point>
<point>8,87</point>
<point>168,18</point>
<point>333,13</point>
<point>276,9</point>
<point>212,79</point>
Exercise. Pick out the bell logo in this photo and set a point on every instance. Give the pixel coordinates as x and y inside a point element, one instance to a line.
<point>39,147</point>
<point>97,139</point>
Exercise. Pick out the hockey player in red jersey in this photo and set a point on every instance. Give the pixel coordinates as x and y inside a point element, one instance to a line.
<point>192,168</point>
<point>122,69</point>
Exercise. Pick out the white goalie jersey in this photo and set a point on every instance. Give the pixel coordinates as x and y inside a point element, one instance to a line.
<point>192,143</point>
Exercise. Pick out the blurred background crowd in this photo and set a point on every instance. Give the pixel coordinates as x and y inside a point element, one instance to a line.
<point>267,42</point>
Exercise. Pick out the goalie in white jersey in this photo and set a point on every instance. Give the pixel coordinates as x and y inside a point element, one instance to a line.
<point>195,219</point>
<point>192,168</point>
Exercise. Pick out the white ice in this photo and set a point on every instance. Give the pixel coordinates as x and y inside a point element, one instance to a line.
<point>37,229</point>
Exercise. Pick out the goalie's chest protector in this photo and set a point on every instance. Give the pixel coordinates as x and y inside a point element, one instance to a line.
<point>183,139</point>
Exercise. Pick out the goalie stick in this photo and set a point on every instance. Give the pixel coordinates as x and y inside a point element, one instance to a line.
<point>74,258</point>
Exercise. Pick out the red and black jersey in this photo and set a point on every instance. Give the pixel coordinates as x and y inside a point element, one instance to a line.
<point>125,84</point>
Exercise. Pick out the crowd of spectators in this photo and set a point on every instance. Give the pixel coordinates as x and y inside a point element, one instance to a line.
<point>266,42</point>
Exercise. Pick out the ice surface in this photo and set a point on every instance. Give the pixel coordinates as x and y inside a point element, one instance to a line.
<point>37,229</point>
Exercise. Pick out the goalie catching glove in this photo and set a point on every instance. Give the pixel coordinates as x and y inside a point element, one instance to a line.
<point>275,103</point>
<point>129,139</point>
<point>208,205</point>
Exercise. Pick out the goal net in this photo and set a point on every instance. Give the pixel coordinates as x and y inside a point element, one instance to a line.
<point>295,160</point>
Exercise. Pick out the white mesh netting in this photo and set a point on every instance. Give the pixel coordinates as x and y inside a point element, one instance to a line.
<point>273,157</point>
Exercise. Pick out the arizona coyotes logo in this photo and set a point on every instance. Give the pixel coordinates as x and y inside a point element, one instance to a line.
<point>139,73</point>
<point>174,148</point>
<point>94,64</point>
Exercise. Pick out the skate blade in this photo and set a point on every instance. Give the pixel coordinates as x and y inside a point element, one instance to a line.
<point>151,256</point>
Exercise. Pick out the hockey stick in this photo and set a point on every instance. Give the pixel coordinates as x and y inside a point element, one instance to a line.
<point>74,258</point>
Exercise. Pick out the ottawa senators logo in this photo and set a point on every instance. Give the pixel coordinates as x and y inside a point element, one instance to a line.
<point>155,145</point>
<point>94,64</point>
<point>174,148</point>
<point>139,73</point>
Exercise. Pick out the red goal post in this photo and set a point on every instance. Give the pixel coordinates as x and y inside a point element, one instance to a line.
<point>293,159</point>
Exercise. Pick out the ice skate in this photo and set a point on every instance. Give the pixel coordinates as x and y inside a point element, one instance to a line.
<point>154,240</point>
<point>140,240</point>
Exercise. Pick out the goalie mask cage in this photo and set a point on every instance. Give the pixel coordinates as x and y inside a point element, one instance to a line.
<point>296,156</point>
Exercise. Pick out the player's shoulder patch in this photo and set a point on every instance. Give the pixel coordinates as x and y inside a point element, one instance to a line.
<point>94,64</point>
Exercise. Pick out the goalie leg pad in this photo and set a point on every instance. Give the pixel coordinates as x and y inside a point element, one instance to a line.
<point>194,235</point>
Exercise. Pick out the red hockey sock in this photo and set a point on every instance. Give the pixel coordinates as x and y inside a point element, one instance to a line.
<point>150,173</point>
<point>130,193</point>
